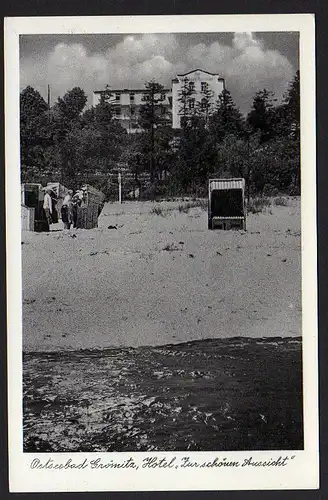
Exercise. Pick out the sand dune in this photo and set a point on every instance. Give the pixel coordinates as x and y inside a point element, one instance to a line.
<point>161,278</point>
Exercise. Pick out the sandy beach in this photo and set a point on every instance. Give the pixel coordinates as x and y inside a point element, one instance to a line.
<point>153,333</point>
<point>161,277</point>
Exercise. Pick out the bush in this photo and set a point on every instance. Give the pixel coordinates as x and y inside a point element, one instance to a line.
<point>184,208</point>
<point>281,201</point>
<point>203,204</point>
<point>269,190</point>
<point>157,211</point>
<point>258,204</point>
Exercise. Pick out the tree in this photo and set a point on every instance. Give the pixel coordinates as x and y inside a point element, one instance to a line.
<point>35,133</point>
<point>232,153</point>
<point>72,104</point>
<point>102,113</point>
<point>164,151</point>
<point>276,166</point>
<point>92,144</point>
<point>196,155</point>
<point>153,115</point>
<point>32,104</point>
<point>261,116</point>
<point>288,113</point>
<point>186,101</point>
<point>131,156</point>
<point>227,120</point>
<point>236,158</point>
<point>292,100</point>
<point>62,143</point>
<point>66,113</point>
<point>100,118</point>
<point>205,104</point>
<point>66,116</point>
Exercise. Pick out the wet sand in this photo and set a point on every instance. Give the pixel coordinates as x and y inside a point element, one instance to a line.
<point>232,394</point>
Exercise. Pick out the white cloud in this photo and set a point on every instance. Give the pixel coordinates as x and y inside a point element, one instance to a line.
<point>243,40</point>
<point>247,65</point>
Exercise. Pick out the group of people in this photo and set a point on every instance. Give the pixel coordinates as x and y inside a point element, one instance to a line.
<point>68,209</point>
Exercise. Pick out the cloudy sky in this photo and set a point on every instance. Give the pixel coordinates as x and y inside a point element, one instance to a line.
<point>248,61</point>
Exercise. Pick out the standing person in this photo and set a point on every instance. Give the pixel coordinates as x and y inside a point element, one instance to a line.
<point>76,205</point>
<point>54,214</point>
<point>67,210</point>
<point>47,206</point>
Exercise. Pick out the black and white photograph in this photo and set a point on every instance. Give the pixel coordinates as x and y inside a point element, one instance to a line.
<point>161,201</point>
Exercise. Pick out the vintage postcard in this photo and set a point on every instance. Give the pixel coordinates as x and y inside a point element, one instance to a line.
<point>161,237</point>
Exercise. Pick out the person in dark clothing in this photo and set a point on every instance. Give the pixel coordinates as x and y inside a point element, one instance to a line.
<point>54,214</point>
<point>76,206</point>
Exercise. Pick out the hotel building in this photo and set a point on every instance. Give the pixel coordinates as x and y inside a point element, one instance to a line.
<point>127,102</point>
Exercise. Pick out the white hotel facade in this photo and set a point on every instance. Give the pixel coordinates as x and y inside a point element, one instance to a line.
<point>127,102</point>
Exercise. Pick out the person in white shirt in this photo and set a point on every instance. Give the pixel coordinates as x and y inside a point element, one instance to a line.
<point>67,210</point>
<point>47,206</point>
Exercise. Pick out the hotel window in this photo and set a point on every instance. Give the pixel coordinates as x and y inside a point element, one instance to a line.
<point>132,97</point>
<point>203,86</point>
<point>117,96</point>
<point>204,103</point>
<point>191,86</point>
<point>191,103</point>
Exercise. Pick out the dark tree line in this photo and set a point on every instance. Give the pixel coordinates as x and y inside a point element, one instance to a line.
<point>71,144</point>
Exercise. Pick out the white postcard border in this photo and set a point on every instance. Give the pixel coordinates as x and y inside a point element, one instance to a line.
<point>302,471</point>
